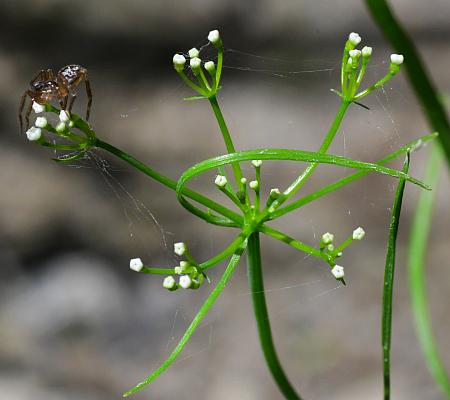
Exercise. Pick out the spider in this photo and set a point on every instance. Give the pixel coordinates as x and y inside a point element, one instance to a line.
<point>47,86</point>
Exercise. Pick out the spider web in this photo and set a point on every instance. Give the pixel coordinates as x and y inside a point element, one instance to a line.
<point>292,76</point>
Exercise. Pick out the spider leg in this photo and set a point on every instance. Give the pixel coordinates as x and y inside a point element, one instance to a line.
<point>64,103</point>
<point>49,74</point>
<point>20,111</point>
<point>27,114</point>
<point>89,96</point>
<point>73,96</point>
<point>42,75</point>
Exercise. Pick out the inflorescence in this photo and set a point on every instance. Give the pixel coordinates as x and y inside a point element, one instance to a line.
<point>255,208</point>
<point>354,64</point>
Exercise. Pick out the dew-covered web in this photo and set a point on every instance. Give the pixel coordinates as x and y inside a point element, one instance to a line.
<point>253,69</point>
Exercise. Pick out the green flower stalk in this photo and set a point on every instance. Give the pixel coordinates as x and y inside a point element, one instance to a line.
<point>251,209</point>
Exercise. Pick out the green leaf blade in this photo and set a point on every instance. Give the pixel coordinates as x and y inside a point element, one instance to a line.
<point>388,287</point>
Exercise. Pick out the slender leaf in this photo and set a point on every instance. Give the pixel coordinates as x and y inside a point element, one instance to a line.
<point>194,324</point>
<point>230,217</point>
<point>348,179</point>
<point>279,154</point>
<point>417,279</point>
<point>388,287</point>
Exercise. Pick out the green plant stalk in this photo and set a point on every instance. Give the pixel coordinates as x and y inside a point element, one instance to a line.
<point>301,179</point>
<point>194,324</point>
<point>171,184</point>
<point>232,247</point>
<point>348,179</point>
<point>219,67</point>
<point>436,115</point>
<point>226,137</point>
<point>418,77</point>
<point>344,244</point>
<point>388,287</point>
<point>296,244</point>
<point>373,87</point>
<point>255,277</point>
<point>417,280</point>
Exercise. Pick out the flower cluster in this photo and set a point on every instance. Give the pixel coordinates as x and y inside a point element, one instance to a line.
<point>204,87</point>
<point>354,64</point>
<point>189,271</point>
<point>63,129</point>
<point>331,252</point>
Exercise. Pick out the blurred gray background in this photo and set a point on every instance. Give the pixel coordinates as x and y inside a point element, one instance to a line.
<point>76,324</point>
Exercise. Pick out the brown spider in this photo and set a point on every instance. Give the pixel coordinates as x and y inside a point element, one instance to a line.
<point>46,87</point>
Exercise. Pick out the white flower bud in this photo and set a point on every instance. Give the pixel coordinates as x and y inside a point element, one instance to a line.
<point>179,248</point>
<point>210,66</point>
<point>338,272</point>
<point>41,122</point>
<point>193,53</point>
<point>366,51</point>
<point>254,185</point>
<point>243,181</point>
<point>397,59</point>
<point>61,127</point>
<point>354,38</point>
<point>178,62</point>
<point>34,133</point>
<point>64,116</point>
<point>184,265</point>
<point>214,36</point>
<point>354,53</point>
<point>327,238</point>
<point>275,193</point>
<point>195,63</point>
<point>38,108</point>
<point>177,270</point>
<point>185,281</point>
<point>169,282</point>
<point>330,247</point>
<point>358,234</point>
<point>257,163</point>
<point>220,181</point>
<point>136,264</point>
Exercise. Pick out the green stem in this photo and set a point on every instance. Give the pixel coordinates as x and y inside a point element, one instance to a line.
<point>344,244</point>
<point>226,137</point>
<point>388,287</point>
<point>255,277</point>
<point>373,87</point>
<point>192,85</point>
<point>297,184</point>
<point>233,246</point>
<point>233,197</point>
<point>171,184</point>
<point>348,179</point>
<point>156,271</point>
<point>417,280</point>
<point>296,244</point>
<point>219,67</point>
<point>194,324</point>
<point>418,77</point>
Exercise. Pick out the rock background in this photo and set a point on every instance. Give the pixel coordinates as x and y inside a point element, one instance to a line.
<point>75,323</point>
